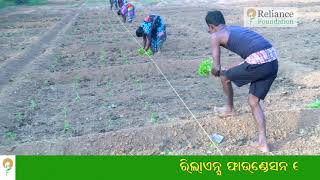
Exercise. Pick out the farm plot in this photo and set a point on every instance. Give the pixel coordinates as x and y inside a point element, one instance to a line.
<point>20,30</point>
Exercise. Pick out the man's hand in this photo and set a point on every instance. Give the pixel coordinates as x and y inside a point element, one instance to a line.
<point>216,70</point>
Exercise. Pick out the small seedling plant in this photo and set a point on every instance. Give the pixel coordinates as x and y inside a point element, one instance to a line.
<point>19,116</point>
<point>10,136</point>
<point>154,117</point>
<point>102,57</point>
<point>76,86</point>
<point>33,104</point>
<point>139,86</point>
<point>66,124</point>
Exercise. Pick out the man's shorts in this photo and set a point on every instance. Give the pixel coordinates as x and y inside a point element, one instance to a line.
<point>261,76</point>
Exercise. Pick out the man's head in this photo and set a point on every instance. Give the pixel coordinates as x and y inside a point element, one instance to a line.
<point>214,19</point>
<point>139,32</point>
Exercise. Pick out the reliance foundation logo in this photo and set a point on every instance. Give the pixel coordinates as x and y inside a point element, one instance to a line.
<point>270,17</point>
<point>7,168</point>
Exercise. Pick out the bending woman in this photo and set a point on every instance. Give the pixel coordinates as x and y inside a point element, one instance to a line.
<point>153,31</point>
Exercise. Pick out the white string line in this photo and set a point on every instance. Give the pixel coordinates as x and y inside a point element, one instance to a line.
<point>215,145</point>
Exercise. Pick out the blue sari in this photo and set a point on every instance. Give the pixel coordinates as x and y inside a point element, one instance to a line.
<point>155,30</point>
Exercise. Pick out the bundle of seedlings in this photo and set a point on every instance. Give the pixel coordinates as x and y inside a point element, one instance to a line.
<point>205,67</point>
<point>142,52</point>
<point>314,105</point>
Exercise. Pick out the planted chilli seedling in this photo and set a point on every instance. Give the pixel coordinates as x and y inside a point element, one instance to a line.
<point>139,85</point>
<point>126,61</point>
<point>154,117</point>
<point>146,105</point>
<point>109,84</point>
<point>33,104</point>
<point>65,111</point>
<point>46,83</point>
<point>77,98</point>
<point>102,57</point>
<point>19,116</point>
<point>10,136</point>
<point>66,126</point>
<point>205,67</point>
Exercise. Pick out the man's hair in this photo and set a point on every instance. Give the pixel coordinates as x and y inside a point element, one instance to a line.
<point>139,32</point>
<point>215,17</point>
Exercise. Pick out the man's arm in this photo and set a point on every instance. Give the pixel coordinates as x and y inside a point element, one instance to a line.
<point>215,45</point>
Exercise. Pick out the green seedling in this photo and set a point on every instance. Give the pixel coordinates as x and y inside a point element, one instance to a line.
<point>205,67</point>
<point>10,135</point>
<point>136,81</point>
<point>146,105</point>
<point>19,116</point>
<point>139,85</point>
<point>57,58</point>
<point>109,84</point>
<point>126,61</point>
<point>314,105</point>
<point>66,126</point>
<point>102,57</point>
<point>77,98</point>
<point>154,117</point>
<point>100,28</point>
<point>33,104</point>
<point>109,94</point>
<point>77,80</point>
<point>65,111</point>
<point>46,83</point>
